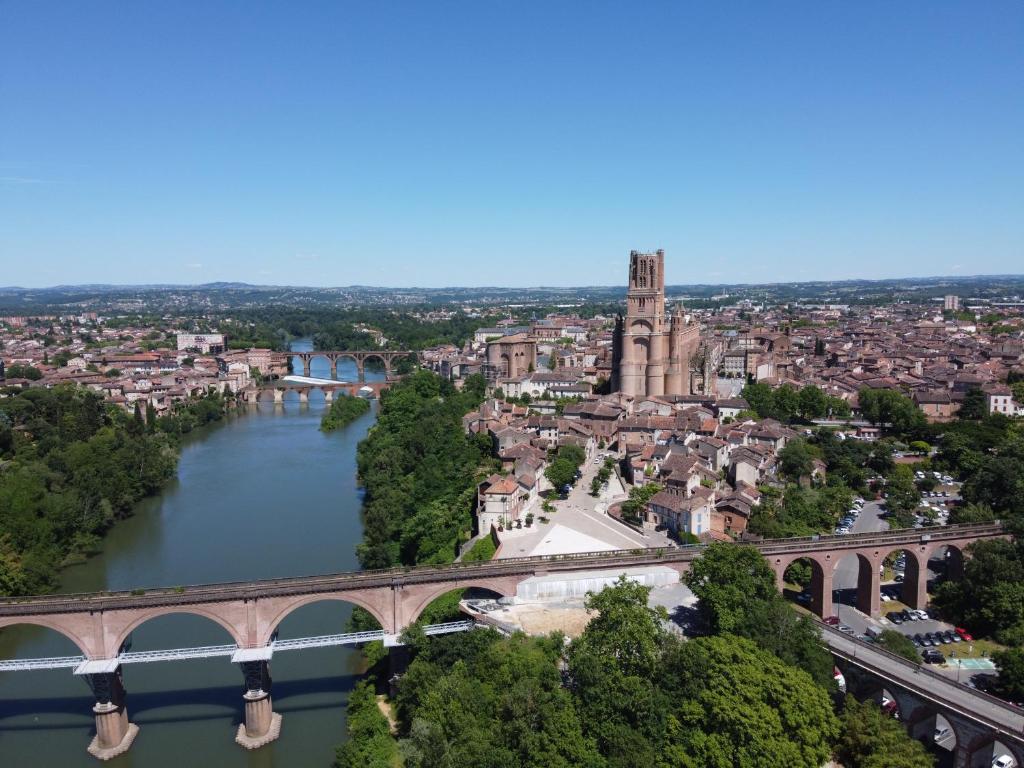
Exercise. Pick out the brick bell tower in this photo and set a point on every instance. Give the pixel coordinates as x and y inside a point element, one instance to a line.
<point>642,358</point>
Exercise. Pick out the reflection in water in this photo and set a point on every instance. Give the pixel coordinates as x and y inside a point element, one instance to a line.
<point>266,494</point>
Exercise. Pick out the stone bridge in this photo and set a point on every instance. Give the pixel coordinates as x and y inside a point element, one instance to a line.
<point>276,390</point>
<point>250,612</point>
<point>982,726</point>
<point>386,357</point>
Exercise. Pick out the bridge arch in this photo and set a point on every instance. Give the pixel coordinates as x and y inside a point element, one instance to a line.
<point>121,631</point>
<point>951,556</point>
<point>914,589</point>
<point>821,579</point>
<point>280,609</point>
<point>417,597</point>
<point>980,751</point>
<point>54,625</point>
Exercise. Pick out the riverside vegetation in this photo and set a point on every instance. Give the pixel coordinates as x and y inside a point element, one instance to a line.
<point>70,466</point>
<point>343,411</point>
<point>628,692</point>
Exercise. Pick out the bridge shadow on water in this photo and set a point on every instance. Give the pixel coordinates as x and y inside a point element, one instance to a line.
<point>219,701</point>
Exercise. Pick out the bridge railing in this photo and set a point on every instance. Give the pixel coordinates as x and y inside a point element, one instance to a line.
<point>421,573</point>
<point>918,669</point>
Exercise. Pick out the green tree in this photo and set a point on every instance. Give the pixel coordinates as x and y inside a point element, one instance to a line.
<point>561,472</point>
<point>974,405</point>
<point>1010,663</point>
<point>795,460</point>
<point>989,599</point>
<point>725,579</point>
<point>871,739</point>
<point>740,705</point>
<point>369,743</point>
<point>902,496</point>
<point>623,627</point>
<point>812,402</point>
<point>898,643</point>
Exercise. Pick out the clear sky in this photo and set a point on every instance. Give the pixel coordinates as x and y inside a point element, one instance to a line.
<point>493,142</point>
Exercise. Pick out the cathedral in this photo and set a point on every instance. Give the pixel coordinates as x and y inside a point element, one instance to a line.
<point>652,350</point>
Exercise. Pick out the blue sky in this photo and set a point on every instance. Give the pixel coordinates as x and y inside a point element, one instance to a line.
<point>508,143</point>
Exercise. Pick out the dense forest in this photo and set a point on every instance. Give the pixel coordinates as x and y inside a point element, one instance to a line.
<point>343,411</point>
<point>628,692</point>
<point>419,471</point>
<point>70,465</point>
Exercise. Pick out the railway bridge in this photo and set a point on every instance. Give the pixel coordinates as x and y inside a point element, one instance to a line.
<point>360,356</point>
<point>100,623</point>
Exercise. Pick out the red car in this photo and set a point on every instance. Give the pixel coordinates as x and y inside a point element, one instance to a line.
<point>831,620</point>
<point>964,635</point>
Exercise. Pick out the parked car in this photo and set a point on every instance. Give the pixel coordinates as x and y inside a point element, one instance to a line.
<point>917,640</point>
<point>932,656</point>
<point>1003,761</point>
<point>941,732</point>
<point>831,620</point>
<point>964,634</point>
<point>846,630</point>
<point>895,617</point>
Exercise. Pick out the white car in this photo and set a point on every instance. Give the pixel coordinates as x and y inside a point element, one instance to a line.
<point>941,732</point>
<point>922,615</point>
<point>1003,761</point>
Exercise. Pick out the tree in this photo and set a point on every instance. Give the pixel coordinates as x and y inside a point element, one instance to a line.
<point>369,743</point>
<point>974,406</point>
<point>1010,663</point>
<point>738,705</point>
<point>898,643</point>
<point>639,497</point>
<point>871,739</point>
<point>560,472</point>
<point>812,402</point>
<point>725,579</point>
<point>989,599</point>
<point>623,628</point>
<point>795,460</point>
<point>573,453</point>
<point>902,496</point>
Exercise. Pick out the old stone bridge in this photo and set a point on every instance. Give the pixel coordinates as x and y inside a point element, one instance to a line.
<point>250,612</point>
<point>386,357</point>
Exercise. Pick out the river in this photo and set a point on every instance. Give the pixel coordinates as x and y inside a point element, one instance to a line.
<point>263,494</point>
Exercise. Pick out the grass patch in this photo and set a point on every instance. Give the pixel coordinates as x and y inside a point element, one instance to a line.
<point>484,549</point>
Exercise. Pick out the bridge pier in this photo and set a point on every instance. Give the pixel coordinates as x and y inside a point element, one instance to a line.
<point>114,732</point>
<point>361,370</point>
<point>821,591</point>
<point>305,366</point>
<point>328,396</point>
<point>869,585</point>
<point>278,396</point>
<point>262,724</point>
<point>304,396</point>
<point>334,368</point>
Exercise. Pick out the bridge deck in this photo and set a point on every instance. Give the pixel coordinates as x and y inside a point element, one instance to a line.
<point>212,651</point>
<point>462,571</point>
<point>993,713</point>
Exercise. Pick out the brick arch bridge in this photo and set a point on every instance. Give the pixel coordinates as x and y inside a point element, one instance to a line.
<point>250,612</point>
<point>360,356</point>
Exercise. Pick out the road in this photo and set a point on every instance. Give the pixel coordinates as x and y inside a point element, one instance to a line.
<point>845,595</point>
<point>580,523</point>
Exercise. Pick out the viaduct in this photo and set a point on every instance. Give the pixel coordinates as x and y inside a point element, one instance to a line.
<point>100,623</point>
<point>386,357</point>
